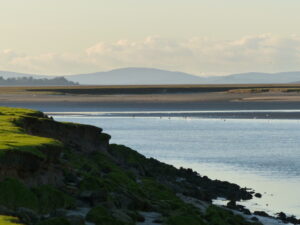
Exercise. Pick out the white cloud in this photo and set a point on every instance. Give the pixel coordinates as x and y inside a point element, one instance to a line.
<point>198,55</point>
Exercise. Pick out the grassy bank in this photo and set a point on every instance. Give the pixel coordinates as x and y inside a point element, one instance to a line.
<point>13,137</point>
<point>115,183</point>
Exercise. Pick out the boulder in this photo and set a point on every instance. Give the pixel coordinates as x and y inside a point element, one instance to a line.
<point>258,195</point>
<point>59,213</point>
<point>76,220</point>
<point>27,216</point>
<point>261,213</point>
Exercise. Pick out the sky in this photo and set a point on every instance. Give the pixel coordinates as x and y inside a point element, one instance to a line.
<point>202,37</point>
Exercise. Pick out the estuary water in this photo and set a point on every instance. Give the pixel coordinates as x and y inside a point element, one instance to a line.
<point>262,154</point>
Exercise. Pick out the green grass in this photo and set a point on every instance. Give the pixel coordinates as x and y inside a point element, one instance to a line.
<point>101,216</point>
<point>14,194</point>
<point>50,198</point>
<point>42,199</point>
<point>9,220</point>
<point>54,221</point>
<point>13,137</point>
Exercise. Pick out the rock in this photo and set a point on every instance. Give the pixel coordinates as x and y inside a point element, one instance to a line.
<point>121,216</point>
<point>59,213</point>
<point>5,211</point>
<point>135,216</point>
<point>140,218</point>
<point>246,211</point>
<point>254,219</point>
<point>291,219</point>
<point>157,221</point>
<point>281,216</point>
<point>27,216</point>
<point>93,197</point>
<point>123,201</point>
<point>86,194</point>
<point>55,221</point>
<point>76,220</point>
<point>71,178</point>
<point>258,195</point>
<point>231,204</point>
<point>261,213</point>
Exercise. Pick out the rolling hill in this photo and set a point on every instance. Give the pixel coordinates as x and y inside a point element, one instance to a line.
<point>150,76</point>
<point>136,76</point>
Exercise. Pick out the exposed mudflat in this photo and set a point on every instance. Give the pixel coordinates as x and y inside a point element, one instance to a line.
<point>220,101</point>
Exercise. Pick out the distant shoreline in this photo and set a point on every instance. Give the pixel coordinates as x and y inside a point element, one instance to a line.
<point>90,99</point>
<point>247,114</point>
<point>206,109</point>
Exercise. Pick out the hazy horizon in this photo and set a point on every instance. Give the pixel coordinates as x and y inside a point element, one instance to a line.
<point>146,68</point>
<point>198,37</point>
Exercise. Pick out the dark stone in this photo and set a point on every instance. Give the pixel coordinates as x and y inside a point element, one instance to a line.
<point>27,216</point>
<point>261,213</point>
<point>291,219</point>
<point>281,216</point>
<point>231,204</point>
<point>140,218</point>
<point>246,211</point>
<point>71,178</point>
<point>5,211</point>
<point>93,197</point>
<point>59,213</point>
<point>258,195</point>
<point>76,220</point>
<point>254,219</point>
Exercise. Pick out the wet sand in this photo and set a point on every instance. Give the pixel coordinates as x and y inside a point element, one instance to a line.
<point>51,100</point>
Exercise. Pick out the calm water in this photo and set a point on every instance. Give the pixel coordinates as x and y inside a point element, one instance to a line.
<point>259,154</point>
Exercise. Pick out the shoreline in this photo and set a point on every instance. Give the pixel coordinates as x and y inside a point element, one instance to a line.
<point>206,109</point>
<point>118,166</point>
<point>110,180</point>
<point>194,98</point>
<point>179,163</point>
<point>205,105</point>
<point>230,114</point>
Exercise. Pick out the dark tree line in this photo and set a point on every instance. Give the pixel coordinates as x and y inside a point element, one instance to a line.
<point>30,81</point>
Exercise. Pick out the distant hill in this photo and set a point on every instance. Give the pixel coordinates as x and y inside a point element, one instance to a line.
<point>30,81</point>
<point>155,76</point>
<point>149,76</point>
<point>8,74</point>
<point>135,76</point>
<point>257,78</point>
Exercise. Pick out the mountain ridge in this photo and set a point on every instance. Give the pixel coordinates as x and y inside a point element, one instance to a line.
<point>153,76</point>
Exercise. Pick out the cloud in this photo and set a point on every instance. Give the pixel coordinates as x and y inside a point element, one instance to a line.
<point>198,55</point>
